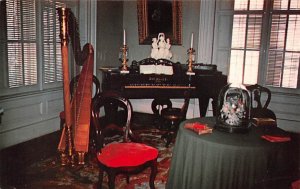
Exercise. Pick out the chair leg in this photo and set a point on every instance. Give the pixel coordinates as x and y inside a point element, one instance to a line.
<point>153,174</point>
<point>171,133</point>
<point>100,179</point>
<point>169,139</point>
<point>111,179</point>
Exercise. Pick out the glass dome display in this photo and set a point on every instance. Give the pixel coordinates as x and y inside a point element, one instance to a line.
<point>233,110</point>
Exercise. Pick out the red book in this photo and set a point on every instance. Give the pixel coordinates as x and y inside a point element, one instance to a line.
<point>274,138</point>
<point>199,128</point>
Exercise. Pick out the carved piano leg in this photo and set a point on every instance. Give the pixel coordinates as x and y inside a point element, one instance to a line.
<point>214,105</point>
<point>203,105</point>
<point>204,102</point>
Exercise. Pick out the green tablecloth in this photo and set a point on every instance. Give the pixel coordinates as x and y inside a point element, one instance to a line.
<point>223,160</point>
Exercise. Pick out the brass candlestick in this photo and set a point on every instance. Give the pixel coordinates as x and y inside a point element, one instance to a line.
<point>191,54</point>
<point>124,59</point>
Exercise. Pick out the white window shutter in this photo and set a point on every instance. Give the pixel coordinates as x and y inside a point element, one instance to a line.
<point>21,43</point>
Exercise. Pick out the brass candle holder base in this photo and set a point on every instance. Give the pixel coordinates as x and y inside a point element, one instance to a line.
<point>190,73</point>
<point>124,59</point>
<point>191,54</point>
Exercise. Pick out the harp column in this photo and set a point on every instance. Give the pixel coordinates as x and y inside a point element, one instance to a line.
<point>66,143</point>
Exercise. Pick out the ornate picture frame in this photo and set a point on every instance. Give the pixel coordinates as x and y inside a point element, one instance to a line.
<point>163,16</point>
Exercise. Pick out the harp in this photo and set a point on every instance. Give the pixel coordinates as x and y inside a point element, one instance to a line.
<point>74,141</point>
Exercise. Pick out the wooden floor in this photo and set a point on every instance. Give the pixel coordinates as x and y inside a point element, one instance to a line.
<point>17,163</point>
<point>17,158</point>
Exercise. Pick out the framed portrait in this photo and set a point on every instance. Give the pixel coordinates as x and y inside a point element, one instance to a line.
<point>159,16</point>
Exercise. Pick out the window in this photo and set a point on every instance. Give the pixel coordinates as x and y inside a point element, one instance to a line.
<point>271,25</point>
<point>29,45</point>
<point>51,43</point>
<point>21,43</point>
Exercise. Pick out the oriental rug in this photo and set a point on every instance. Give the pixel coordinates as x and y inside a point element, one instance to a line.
<point>49,173</point>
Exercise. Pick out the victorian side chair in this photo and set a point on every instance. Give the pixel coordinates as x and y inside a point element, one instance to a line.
<point>126,157</point>
<point>261,98</point>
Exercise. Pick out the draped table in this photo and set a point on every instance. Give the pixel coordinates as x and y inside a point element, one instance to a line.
<point>223,160</point>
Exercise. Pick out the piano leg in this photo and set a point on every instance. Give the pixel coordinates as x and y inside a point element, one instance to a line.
<point>157,105</point>
<point>203,105</point>
<point>204,102</point>
<point>214,105</point>
<point>160,103</point>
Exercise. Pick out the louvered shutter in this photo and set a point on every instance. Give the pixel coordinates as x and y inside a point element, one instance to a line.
<point>283,49</point>
<point>246,42</point>
<point>51,43</point>
<point>21,43</point>
<point>284,46</point>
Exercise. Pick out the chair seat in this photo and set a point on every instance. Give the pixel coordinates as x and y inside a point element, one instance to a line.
<point>126,154</point>
<point>172,114</point>
<point>263,113</point>
<point>296,184</point>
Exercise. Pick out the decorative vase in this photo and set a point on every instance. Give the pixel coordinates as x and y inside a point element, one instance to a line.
<point>233,109</point>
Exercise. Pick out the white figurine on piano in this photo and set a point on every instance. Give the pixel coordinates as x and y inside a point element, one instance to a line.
<point>154,51</point>
<point>161,48</point>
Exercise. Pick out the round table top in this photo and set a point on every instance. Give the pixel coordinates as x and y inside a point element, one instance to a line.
<point>225,139</point>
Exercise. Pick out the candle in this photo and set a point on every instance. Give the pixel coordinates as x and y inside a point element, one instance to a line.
<point>192,40</point>
<point>124,37</point>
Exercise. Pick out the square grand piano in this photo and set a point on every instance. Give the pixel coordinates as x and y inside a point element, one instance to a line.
<point>164,80</point>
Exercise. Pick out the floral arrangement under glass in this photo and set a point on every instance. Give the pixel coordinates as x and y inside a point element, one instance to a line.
<point>233,112</point>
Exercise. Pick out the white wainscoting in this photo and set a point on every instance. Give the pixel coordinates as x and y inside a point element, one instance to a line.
<point>287,110</point>
<point>29,116</point>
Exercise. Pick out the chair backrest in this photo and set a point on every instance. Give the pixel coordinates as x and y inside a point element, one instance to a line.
<point>257,91</point>
<point>173,113</point>
<point>258,108</point>
<point>74,81</point>
<point>111,102</point>
<point>159,104</point>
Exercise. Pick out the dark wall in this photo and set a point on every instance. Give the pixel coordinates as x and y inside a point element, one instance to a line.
<point>109,33</point>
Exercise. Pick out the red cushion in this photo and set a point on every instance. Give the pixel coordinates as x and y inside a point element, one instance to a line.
<point>296,184</point>
<point>126,154</point>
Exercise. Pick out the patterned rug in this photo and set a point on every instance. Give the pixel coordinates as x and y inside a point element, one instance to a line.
<point>48,173</point>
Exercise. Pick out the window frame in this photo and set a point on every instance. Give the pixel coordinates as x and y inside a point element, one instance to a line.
<point>264,64</point>
<point>264,47</point>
